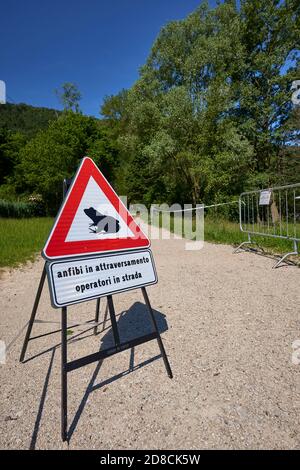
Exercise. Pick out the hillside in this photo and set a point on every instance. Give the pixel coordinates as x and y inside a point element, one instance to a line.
<point>25,118</point>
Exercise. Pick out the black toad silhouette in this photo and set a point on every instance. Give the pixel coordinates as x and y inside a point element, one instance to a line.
<point>102,223</point>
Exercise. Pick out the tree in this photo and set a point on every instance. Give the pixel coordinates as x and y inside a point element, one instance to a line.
<point>54,154</point>
<point>105,153</point>
<point>69,96</point>
<point>25,118</point>
<point>205,120</point>
<point>288,166</point>
<point>175,118</point>
<point>10,145</point>
<point>271,40</point>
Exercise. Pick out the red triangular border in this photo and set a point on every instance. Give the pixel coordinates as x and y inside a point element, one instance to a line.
<point>57,247</point>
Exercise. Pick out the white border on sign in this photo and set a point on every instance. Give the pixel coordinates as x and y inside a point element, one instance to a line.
<point>50,258</point>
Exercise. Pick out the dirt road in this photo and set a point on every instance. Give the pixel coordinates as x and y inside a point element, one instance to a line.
<point>228,323</point>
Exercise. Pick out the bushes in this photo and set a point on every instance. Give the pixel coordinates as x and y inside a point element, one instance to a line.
<point>54,154</point>
<point>21,209</point>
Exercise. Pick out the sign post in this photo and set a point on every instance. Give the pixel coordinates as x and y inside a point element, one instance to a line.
<point>95,249</point>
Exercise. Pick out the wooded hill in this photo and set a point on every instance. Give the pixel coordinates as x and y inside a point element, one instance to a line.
<point>25,118</point>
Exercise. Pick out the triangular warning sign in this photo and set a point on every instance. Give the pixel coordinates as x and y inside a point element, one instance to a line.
<point>92,219</point>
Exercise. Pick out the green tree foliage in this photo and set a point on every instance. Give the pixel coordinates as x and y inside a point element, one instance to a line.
<point>25,118</point>
<point>69,96</point>
<point>18,124</point>
<point>10,145</point>
<point>205,118</point>
<point>54,154</point>
<point>289,158</point>
<point>271,40</point>
<point>209,116</point>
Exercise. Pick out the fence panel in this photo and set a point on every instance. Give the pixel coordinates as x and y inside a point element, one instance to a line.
<point>272,212</point>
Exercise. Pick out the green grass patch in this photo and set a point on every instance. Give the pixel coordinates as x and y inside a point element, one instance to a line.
<point>21,239</point>
<point>20,209</point>
<point>220,230</point>
<point>224,231</point>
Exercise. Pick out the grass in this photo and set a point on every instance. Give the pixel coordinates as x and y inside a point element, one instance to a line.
<point>21,239</point>
<point>223,231</point>
<point>220,230</point>
<point>17,209</point>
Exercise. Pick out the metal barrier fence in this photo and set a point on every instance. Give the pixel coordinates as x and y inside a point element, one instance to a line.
<point>272,212</point>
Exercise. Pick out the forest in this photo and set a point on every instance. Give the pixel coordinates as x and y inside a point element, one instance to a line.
<point>210,116</point>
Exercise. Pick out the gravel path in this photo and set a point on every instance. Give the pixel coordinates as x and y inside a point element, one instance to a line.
<point>228,323</point>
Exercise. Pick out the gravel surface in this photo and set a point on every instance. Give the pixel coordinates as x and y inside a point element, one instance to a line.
<point>228,322</point>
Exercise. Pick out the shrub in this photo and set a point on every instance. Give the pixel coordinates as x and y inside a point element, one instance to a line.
<point>20,209</point>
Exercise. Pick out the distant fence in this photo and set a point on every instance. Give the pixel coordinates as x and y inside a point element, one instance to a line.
<point>272,212</point>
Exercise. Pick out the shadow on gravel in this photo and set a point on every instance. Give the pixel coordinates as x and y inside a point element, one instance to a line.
<point>132,323</point>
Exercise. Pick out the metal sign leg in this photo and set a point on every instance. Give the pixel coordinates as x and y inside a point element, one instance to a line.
<point>64,384</point>
<point>102,354</point>
<point>97,316</point>
<point>114,325</point>
<point>105,317</point>
<point>33,313</point>
<point>159,340</point>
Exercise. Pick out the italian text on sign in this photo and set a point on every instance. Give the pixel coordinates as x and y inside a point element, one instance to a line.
<point>265,197</point>
<point>83,279</point>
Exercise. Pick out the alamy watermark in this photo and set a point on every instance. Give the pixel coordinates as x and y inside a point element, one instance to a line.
<point>2,352</point>
<point>296,352</point>
<point>2,92</point>
<point>296,92</point>
<point>159,222</point>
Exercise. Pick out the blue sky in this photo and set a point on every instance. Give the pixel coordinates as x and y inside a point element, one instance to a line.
<point>99,45</point>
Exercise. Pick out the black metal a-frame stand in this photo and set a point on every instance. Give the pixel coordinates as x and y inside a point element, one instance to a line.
<point>34,311</point>
<point>66,184</point>
<point>98,356</point>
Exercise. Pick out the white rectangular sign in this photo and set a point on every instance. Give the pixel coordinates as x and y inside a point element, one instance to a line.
<point>73,281</point>
<point>265,197</point>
